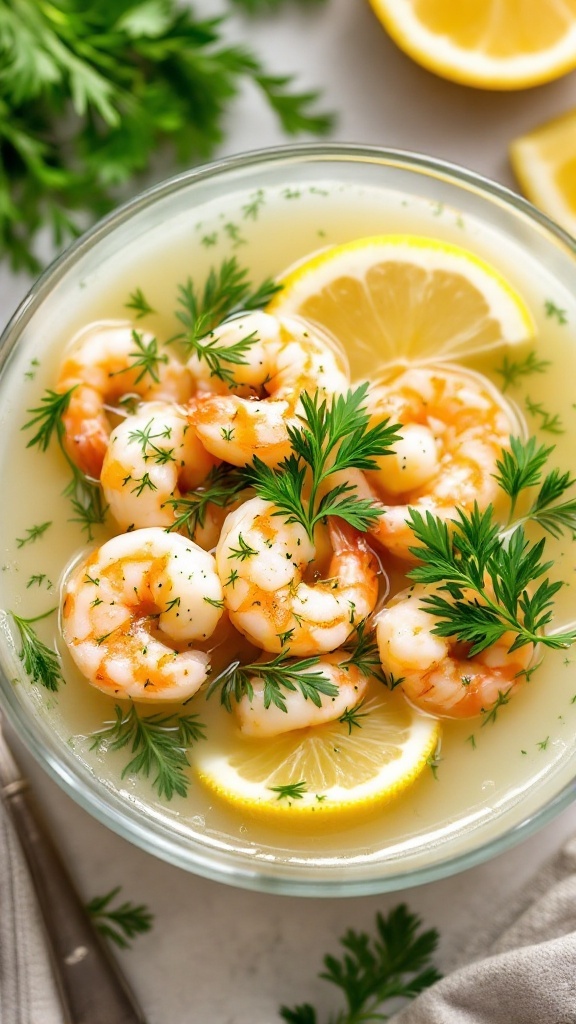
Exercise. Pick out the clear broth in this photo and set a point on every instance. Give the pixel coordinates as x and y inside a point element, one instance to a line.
<point>487,779</point>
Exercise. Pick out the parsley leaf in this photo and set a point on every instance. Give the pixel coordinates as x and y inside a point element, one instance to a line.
<point>334,435</point>
<point>394,964</point>
<point>120,924</point>
<point>485,581</point>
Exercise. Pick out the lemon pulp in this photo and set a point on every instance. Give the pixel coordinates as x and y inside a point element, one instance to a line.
<point>544,162</point>
<point>337,768</point>
<point>409,297</point>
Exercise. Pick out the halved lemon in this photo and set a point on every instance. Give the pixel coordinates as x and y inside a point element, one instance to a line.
<point>406,297</point>
<point>544,161</point>
<point>334,769</point>
<point>489,44</point>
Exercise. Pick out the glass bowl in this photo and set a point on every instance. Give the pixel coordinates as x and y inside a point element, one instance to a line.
<point>270,209</point>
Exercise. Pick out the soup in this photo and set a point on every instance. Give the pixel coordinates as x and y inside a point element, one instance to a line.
<point>488,774</point>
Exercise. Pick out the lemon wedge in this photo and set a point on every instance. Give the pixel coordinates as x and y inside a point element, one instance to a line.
<point>333,769</point>
<point>406,297</point>
<point>490,44</point>
<point>544,162</point>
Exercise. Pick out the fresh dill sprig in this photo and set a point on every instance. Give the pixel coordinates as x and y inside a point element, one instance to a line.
<point>521,469</point>
<point>351,716</point>
<point>158,742</point>
<point>221,487</point>
<point>512,370</point>
<point>549,422</point>
<point>33,533</point>
<point>363,650</point>
<point>41,663</point>
<point>334,436</point>
<point>290,791</point>
<point>120,924</point>
<point>489,714</point>
<point>394,964</point>
<point>38,580</point>
<point>145,357</point>
<point>220,358</point>
<point>227,289</point>
<point>282,673</point>
<point>85,495</point>
<point>489,581</point>
<point>552,310</point>
<point>47,418</point>
<point>139,304</point>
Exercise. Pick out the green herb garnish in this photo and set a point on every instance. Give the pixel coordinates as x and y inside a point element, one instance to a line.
<point>85,495</point>
<point>374,971</point>
<point>139,304</point>
<point>159,743</point>
<point>221,487</point>
<point>227,289</point>
<point>145,357</point>
<point>290,791</point>
<point>41,663</point>
<point>334,436</point>
<point>285,672</point>
<point>122,923</point>
<point>486,578</point>
<point>89,94</point>
<point>280,674</point>
<point>512,370</point>
<point>521,469</point>
<point>32,534</point>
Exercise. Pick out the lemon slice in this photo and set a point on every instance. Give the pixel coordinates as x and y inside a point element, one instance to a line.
<point>332,769</point>
<point>406,297</point>
<point>490,44</point>
<point>544,162</point>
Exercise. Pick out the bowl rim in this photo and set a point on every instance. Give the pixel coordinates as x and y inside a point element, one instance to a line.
<point>89,792</point>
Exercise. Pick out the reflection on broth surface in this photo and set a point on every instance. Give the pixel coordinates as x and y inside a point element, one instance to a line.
<point>464,780</point>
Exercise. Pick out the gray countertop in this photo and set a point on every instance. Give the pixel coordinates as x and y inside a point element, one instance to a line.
<point>229,956</point>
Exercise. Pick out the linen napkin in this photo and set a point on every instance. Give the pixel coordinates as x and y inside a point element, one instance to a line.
<point>28,993</point>
<point>522,968</point>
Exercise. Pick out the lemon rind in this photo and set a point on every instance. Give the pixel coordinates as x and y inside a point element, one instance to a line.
<point>215,773</point>
<point>472,67</point>
<point>505,303</point>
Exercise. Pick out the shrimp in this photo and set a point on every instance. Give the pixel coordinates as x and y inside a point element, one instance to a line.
<point>107,360</point>
<point>255,719</point>
<point>286,358</point>
<point>133,611</point>
<point>262,559</point>
<point>152,457</point>
<point>453,426</point>
<point>437,674</point>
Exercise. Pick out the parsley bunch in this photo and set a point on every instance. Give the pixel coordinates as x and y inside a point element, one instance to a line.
<point>90,92</point>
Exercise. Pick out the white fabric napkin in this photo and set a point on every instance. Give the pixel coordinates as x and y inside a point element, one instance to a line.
<point>522,968</point>
<point>28,993</point>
